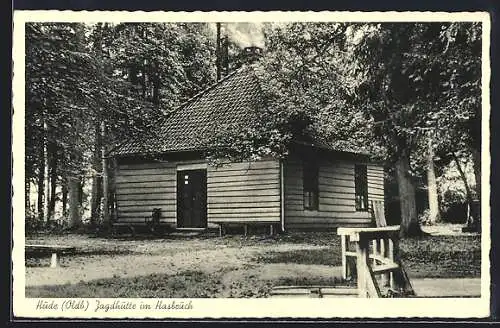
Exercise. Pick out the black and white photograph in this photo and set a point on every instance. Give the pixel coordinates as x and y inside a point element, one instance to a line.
<point>163,163</point>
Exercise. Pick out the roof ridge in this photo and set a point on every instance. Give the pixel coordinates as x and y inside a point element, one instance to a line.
<point>162,120</point>
<point>202,92</point>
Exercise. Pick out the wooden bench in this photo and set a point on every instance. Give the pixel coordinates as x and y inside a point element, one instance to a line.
<point>55,250</point>
<point>152,223</point>
<point>245,224</point>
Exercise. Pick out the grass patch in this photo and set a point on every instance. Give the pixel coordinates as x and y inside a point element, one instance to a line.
<point>185,284</point>
<point>311,238</point>
<point>427,257</point>
<point>323,256</point>
<point>188,284</point>
<point>40,259</point>
<point>442,256</point>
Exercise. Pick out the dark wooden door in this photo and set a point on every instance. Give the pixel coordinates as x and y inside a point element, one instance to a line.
<point>192,199</point>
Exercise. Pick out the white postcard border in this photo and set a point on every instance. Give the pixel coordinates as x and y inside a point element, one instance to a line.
<point>237,308</point>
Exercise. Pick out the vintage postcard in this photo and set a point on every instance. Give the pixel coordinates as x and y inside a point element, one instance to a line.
<point>217,165</point>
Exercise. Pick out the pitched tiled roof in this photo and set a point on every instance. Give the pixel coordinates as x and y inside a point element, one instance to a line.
<point>232,100</point>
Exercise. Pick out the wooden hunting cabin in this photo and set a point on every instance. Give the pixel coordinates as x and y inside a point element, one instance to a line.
<point>315,187</point>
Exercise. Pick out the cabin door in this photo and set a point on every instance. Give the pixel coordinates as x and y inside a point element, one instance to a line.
<point>192,199</point>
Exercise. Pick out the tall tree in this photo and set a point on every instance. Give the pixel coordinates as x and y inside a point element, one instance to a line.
<point>420,77</point>
<point>406,69</point>
<point>432,191</point>
<point>52,73</point>
<point>386,93</point>
<point>83,80</point>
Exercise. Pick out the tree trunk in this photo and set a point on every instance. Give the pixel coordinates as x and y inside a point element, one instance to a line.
<point>74,188</point>
<point>226,54</point>
<point>409,220</point>
<point>53,183</point>
<point>143,82</point>
<point>27,192</point>
<point>432,192</point>
<point>95,200</point>
<point>46,191</point>
<point>64,187</point>
<point>470,200</point>
<point>476,158</point>
<point>218,55</point>
<point>40,185</point>
<point>133,75</point>
<point>475,133</point>
<point>81,183</point>
<point>105,184</point>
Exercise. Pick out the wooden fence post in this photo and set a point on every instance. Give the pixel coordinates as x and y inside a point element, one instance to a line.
<point>384,251</point>
<point>343,245</point>
<point>362,265</point>
<point>54,261</point>
<point>396,284</point>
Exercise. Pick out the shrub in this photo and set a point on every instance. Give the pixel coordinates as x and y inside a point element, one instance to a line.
<point>32,224</point>
<point>453,206</point>
<point>424,218</point>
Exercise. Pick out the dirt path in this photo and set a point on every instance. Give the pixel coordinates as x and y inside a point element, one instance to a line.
<point>167,257</point>
<point>442,287</point>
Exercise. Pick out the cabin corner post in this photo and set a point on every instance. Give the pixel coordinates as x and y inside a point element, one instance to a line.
<point>114,205</point>
<point>282,196</point>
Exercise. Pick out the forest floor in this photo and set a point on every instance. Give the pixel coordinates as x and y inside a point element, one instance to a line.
<point>205,265</point>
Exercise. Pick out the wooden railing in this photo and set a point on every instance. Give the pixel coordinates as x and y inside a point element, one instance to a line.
<point>381,259</point>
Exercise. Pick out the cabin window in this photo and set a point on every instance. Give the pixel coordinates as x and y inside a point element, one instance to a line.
<point>361,187</point>
<point>311,186</point>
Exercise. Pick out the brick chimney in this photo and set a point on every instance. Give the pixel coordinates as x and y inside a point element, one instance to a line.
<point>251,54</point>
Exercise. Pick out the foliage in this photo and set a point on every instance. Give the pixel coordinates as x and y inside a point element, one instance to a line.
<point>55,62</point>
<point>381,88</point>
<point>421,80</point>
<point>302,96</point>
<point>409,84</point>
<point>452,190</point>
<point>125,76</point>
<point>32,224</point>
<point>424,218</point>
<point>325,256</point>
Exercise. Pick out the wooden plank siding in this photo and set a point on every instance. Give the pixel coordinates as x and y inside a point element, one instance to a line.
<point>143,186</point>
<point>336,195</point>
<point>239,192</point>
<point>244,192</point>
<point>249,192</point>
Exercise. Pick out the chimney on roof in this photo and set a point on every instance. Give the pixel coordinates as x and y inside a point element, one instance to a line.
<point>251,54</point>
<point>221,52</point>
